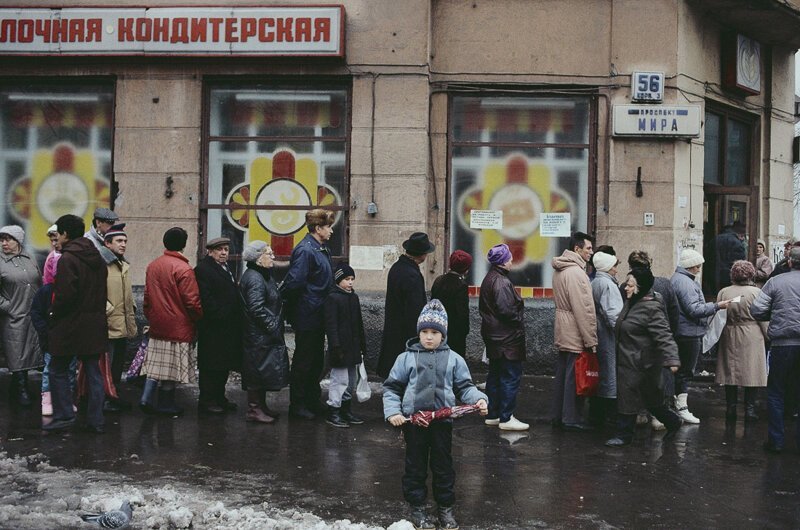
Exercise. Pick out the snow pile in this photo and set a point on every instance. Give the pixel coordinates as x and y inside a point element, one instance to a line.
<point>34,494</point>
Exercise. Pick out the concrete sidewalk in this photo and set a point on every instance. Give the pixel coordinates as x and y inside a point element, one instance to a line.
<point>709,476</point>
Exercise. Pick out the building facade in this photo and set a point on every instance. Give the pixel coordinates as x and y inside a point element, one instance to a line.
<point>652,125</point>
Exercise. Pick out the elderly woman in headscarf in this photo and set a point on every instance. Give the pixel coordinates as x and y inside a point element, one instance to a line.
<point>607,306</point>
<point>20,278</point>
<point>644,345</point>
<point>265,362</point>
<point>764,266</point>
<point>741,359</point>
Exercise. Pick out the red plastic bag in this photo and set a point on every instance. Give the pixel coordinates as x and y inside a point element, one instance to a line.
<point>587,374</point>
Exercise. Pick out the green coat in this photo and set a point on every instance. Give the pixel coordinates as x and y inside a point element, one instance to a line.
<point>644,346</point>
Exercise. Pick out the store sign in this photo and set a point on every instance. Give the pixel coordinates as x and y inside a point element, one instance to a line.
<point>656,120</point>
<point>215,31</point>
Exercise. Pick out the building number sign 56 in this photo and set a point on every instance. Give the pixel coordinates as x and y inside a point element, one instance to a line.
<point>647,86</point>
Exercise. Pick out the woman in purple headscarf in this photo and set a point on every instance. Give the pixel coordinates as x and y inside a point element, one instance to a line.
<point>503,331</point>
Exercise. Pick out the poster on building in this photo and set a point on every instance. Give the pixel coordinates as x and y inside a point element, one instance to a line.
<point>368,258</point>
<point>555,225</point>
<point>486,219</point>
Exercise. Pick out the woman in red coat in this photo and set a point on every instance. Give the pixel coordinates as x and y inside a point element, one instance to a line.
<point>172,306</point>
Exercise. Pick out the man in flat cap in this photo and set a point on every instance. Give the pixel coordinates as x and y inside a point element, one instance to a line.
<point>120,308</point>
<point>219,338</point>
<point>405,298</point>
<point>102,220</point>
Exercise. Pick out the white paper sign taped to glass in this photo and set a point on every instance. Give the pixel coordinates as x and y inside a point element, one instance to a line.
<point>197,31</point>
<point>657,120</point>
<point>555,225</point>
<point>486,219</point>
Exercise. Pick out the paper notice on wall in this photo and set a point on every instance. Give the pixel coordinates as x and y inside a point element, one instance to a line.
<point>486,219</point>
<point>781,230</point>
<point>555,225</point>
<point>366,258</point>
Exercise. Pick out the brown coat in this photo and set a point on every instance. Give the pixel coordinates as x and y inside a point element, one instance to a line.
<point>78,315</point>
<point>741,359</point>
<point>502,317</point>
<point>576,324</point>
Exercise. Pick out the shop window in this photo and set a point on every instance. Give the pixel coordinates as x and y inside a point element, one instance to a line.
<point>522,156</point>
<point>273,154</point>
<point>727,149</point>
<point>55,154</point>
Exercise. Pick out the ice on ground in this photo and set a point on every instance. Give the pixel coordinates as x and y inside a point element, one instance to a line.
<point>34,494</point>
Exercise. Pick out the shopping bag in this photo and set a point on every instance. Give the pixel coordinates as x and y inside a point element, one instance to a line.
<point>587,374</point>
<point>363,391</point>
<point>138,359</point>
<point>715,326</point>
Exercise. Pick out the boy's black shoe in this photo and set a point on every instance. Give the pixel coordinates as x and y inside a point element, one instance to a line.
<point>348,416</point>
<point>772,448</point>
<point>446,519</point>
<point>301,412</point>
<point>420,518</point>
<point>209,407</point>
<point>335,418</point>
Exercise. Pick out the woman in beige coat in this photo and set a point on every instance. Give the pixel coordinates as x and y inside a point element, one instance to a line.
<point>741,359</point>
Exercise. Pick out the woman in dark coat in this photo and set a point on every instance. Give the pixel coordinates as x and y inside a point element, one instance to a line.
<point>503,330</point>
<point>405,298</point>
<point>644,345</point>
<point>219,332</point>
<point>452,291</point>
<point>265,363</point>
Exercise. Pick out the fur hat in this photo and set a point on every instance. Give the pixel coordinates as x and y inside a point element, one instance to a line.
<point>742,272</point>
<point>460,261</point>
<point>690,258</point>
<point>253,251</point>
<point>433,316</point>
<point>604,262</point>
<point>175,239</point>
<point>14,231</point>
<point>343,270</point>
<point>499,254</point>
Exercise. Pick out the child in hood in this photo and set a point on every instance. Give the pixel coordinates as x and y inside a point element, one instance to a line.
<point>429,376</point>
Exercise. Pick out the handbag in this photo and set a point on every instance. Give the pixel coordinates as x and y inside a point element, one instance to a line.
<point>363,392</point>
<point>587,373</point>
<point>138,359</point>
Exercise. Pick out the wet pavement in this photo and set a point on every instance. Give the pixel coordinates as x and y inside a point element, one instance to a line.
<point>709,476</point>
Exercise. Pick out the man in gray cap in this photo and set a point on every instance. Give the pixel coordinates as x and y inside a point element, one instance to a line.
<point>102,221</point>
<point>219,340</point>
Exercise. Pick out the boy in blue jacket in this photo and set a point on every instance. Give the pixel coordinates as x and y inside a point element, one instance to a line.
<point>429,376</point>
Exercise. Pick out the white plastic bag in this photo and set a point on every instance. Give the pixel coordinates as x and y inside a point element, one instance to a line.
<point>363,391</point>
<point>485,358</point>
<point>714,331</point>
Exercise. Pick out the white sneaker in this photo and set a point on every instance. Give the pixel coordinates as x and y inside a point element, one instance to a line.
<point>657,425</point>
<point>493,422</point>
<point>513,424</point>
<point>688,417</point>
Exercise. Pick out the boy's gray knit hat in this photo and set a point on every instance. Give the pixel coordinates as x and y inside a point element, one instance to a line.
<point>433,316</point>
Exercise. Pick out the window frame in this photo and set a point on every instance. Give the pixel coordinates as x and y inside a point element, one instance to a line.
<point>750,120</point>
<point>278,83</point>
<point>590,146</point>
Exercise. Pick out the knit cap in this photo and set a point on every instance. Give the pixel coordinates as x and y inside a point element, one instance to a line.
<point>433,316</point>
<point>343,270</point>
<point>460,261</point>
<point>603,262</point>
<point>690,258</point>
<point>15,232</point>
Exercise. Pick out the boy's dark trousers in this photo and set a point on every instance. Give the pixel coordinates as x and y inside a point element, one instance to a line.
<point>432,445</point>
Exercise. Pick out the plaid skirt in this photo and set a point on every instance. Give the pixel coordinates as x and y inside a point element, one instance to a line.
<point>170,361</point>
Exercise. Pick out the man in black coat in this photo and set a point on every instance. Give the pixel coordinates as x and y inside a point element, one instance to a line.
<point>77,324</point>
<point>405,298</point>
<point>219,336</point>
<point>452,291</point>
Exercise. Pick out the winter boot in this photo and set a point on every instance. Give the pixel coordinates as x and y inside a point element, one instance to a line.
<point>683,410</point>
<point>18,389</point>
<point>669,418</point>
<point>750,404</point>
<point>47,404</point>
<point>420,518</point>
<point>255,413</point>
<point>335,417</point>
<point>166,402</point>
<point>446,519</point>
<point>147,401</point>
<point>730,402</point>
<point>348,416</point>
